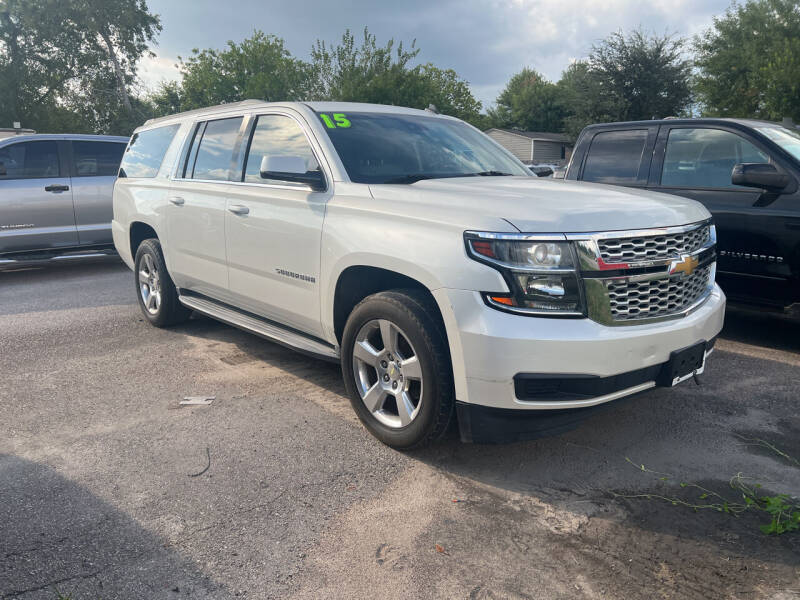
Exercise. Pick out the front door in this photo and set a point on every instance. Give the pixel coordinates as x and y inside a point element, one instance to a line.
<point>696,162</point>
<point>196,210</point>
<point>36,211</point>
<point>273,230</point>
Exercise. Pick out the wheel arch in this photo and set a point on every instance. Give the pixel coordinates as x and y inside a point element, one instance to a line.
<point>138,232</point>
<point>356,282</point>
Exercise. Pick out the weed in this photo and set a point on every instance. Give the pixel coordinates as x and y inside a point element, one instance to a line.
<point>782,509</point>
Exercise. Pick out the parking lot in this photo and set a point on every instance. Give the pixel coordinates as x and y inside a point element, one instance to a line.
<point>110,489</point>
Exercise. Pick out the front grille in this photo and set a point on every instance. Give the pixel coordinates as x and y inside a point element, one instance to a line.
<point>657,297</point>
<point>653,247</point>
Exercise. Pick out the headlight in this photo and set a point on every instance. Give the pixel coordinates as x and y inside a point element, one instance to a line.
<point>540,273</point>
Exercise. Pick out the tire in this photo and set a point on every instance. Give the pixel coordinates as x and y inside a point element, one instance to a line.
<point>155,290</point>
<point>420,408</point>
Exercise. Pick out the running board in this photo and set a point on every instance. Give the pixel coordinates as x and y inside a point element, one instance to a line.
<point>260,327</point>
<point>43,257</point>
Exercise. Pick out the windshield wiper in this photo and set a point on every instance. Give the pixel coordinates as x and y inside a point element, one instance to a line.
<point>414,177</point>
<point>410,178</point>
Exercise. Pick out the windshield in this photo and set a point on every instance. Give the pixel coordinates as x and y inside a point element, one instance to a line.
<point>785,138</point>
<point>398,148</point>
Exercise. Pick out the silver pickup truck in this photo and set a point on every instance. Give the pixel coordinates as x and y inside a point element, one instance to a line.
<point>55,195</point>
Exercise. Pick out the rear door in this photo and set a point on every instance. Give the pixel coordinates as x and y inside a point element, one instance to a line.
<point>95,165</point>
<point>196,212</point>
<point>696,161</point>
<point>36,211</point>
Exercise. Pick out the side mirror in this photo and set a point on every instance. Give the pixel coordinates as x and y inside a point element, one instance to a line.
<point>759,175</point>
<point>291,168</point>
<point>541,171</point>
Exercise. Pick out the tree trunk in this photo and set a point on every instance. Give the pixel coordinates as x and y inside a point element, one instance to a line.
<point>13,65</point>
<point>122,90</point>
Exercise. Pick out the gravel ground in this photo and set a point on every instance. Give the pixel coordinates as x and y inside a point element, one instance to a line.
<point>109,489</point>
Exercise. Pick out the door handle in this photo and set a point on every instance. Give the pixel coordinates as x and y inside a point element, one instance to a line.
<point>56,187</point>
<point>177,200</point>
<point>238,209</point>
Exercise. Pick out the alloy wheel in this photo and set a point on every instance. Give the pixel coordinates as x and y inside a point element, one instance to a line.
<point>388,373</point>
<point>149,284</point>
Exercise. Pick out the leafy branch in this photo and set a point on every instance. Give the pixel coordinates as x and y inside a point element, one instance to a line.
<point>783,510</point>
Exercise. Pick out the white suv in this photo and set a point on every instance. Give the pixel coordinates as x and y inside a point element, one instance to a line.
<point>446,278</point>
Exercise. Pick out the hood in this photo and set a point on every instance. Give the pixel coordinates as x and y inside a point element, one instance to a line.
<point>535,205</point>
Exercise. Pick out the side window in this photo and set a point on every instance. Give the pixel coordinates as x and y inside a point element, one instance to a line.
<point>146,152</point>
<point>29,160</point>
<point>703,158</point>
<point>276,135</point>
<point>615,157</point>
<point>97,159</point>
<point>215,149</point>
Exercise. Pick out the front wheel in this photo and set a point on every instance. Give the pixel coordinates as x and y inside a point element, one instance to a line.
<point>155,290</point>
<point>396,368</point>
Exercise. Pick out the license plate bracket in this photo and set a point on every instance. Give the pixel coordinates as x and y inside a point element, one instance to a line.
<point>683,364</point>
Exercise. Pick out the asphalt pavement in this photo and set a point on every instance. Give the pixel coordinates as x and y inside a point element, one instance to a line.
<point>109,488</point>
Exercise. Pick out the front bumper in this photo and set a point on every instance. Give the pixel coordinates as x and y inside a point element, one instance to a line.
<point>490,348</point>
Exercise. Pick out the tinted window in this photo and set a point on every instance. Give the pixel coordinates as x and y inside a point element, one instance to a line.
<point>705,157</point>
<point>97,158</point>
<point>276,135</point>
<point>29,160</point>
<point>146,151</point>
<point>615,157</point>
<point>216,149</point>
<point>386,148</point>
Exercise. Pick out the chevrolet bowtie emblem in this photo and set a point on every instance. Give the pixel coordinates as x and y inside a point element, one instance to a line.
<point>686,265</point>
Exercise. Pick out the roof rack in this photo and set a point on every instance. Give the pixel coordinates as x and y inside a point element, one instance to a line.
<point>197,111</point>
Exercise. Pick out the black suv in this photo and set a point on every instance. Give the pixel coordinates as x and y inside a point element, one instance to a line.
<point>745,172</point>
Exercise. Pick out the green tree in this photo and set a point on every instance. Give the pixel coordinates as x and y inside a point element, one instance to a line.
<point>580,89</point>
<point>749,61</point>
<point>258,67</point>
<point>369,72</point>
<point>68,65</point>
<point>640,76</point>
<point>530,102</point>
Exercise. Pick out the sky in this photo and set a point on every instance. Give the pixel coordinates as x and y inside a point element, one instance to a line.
<point>485,42</point>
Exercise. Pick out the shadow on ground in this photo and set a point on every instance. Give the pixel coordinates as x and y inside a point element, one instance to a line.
<point>762,328</point>
<point>57,537</point>
<point>689,432</point>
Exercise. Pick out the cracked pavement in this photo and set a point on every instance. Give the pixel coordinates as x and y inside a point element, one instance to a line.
<point>97,498</point>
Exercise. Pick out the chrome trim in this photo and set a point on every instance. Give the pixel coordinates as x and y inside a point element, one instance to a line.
<point>589,252</point>
<point>626,233</point>
<point>611,322</point>
<point>521,237</point>
<point>595,285</point>
<point>598,302</point>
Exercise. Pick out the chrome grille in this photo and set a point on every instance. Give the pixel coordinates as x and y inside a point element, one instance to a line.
<point>653,247</point>
<point>657,297</point>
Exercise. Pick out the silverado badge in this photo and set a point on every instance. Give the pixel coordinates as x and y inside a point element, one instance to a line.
<point>686,265</point>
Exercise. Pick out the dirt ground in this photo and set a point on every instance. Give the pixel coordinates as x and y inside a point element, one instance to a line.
<point>99,496</point>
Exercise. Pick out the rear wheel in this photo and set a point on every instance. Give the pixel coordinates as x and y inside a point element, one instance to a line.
<point>396,368</point>
<point>155,290</point>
